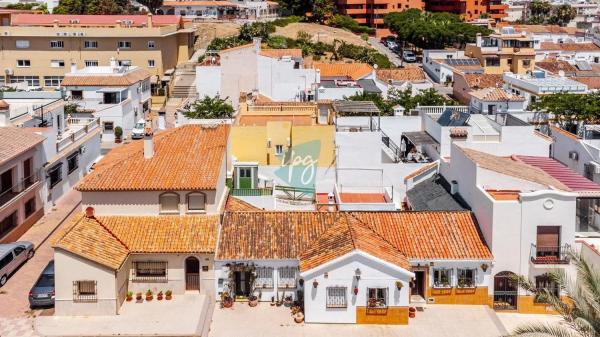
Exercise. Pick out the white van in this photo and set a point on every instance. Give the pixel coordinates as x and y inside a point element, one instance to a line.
<point>138,130</point>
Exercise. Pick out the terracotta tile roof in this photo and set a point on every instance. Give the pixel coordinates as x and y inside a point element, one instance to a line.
<point>111,80</point>
<point>569,46</point>
<point>247,45</point>
<point>91,20</point>
<point>593,82</point>
<point>430,235</point>
<point>554,29</point>
<point>305,235</point>
<point>573,180</point>
<point>15,141</point>
<point>401,74</point>
<point>355,71</point>
<point>554,66</point>
<point>108,240</point>
<point>234,204</point>
<point>348,234</point>
<point>189,157</point>
<point>279,53</point>
<point>513,168</point>
<point>504,195</point>
<point>483,80</point>
<point>362,198</point>
<point>566,133</point>
<point>420,170</point>
<point>496,95</point>
<point>215,3</point>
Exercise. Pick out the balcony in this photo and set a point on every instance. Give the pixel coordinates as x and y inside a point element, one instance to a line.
<point>77,128</point>
<point>19,188</point>
<point>545,255</point>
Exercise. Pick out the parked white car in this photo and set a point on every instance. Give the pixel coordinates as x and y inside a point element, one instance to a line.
<point>138,130</point>
<point>12,256</point>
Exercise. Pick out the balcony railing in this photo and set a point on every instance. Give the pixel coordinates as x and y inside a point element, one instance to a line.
<point>78,128</point>
<point>13,192</point>
<point>550,254</point>
<point>252,192</point>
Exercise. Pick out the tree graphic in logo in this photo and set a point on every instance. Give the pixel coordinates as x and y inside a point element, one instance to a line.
<point>299,167</point>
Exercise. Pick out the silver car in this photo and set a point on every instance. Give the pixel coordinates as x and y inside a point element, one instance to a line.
<point>12,256</point>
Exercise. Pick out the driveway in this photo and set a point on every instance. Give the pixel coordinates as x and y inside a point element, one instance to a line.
<point>436,321</point>
<point>385,51</point>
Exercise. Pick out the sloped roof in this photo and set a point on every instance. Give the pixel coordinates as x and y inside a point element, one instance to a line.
<point>108,240</point>
<point>212,3</point>
<point>573,180</point>
<point>554,66</point>
<point>483,80</point>
<point>345,236</point>
<point>185,158</point>
<point>496,95</point>
<point>317,237</point>
<point>355,71</point>
<point>569,46</point>
<point>234,204</point>
<point>99,20</point>
<point>431,195</point>
<point>401,74</point>
<point>108,80</point>
<point>513,168</point>
<point>15,141</point>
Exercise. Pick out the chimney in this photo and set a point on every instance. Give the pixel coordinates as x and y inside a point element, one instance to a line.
<point>55,23</point>
<point>4,114</point>
<point>149,22</point>
<point>331,202</point>
<point>478,40</point>
<point>73,67</point>
<point>148,140</point>
<point>89,212</point>
<point>256,41</point>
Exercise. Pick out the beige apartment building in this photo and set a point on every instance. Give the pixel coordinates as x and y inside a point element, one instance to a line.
<point>39,49</point>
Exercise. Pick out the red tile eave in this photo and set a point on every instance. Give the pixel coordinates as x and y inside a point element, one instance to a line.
<point>565,175</point>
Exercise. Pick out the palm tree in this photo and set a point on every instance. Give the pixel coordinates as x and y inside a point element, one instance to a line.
<point>580,312</point>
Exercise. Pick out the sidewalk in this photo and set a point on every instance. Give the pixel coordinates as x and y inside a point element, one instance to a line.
<point>14,300</point>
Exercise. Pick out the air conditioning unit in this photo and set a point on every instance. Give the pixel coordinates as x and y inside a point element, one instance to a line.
<point>82,150</point>
<point>81,34</point>
<point>573,155</point>
<point>8,71</point>
<point>6,33</point>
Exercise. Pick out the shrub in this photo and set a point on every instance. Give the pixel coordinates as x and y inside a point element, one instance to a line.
<point>277,42</point>
<point>221,43</point>
<point>282,22</point>
<point>118,132</point>
<point>346,22</point>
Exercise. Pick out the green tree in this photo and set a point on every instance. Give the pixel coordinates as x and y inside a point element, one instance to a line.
<point>571,109</point>
<point>580,312</point>
<point>539,10</point>
<point>322,9</point>
<point>256,29</point>
<point>94,7</point>
<point>152,5</point>
<point>295,7</point>
<point>277,42</point>
<point>562,15</point>
<point>211,108</point>
<point>426,97</point>
<point>384,107</point>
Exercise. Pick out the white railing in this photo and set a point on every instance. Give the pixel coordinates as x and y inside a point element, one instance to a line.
<point>438,109</point>
<point>77,129</point>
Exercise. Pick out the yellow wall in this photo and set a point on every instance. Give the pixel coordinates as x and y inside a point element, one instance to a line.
<point>390,315</point>
<point>455,295</point>
<point>249,143</point>
<point>516,67</point>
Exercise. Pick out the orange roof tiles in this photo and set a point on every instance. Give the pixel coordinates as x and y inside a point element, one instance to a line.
<point>355,71</point>
<point>554,128</point>
<point>569,46</point>
<point>554,66</point>
<point>362,198</point>
<point>279,53</point>
<point>15,141</point>
<point>318,237</point>
<point>189,157</point>
<point>496,95</point>
<point>401,74</point>
<point>593,82</point>
<point>503,195</point>
<point>420,170</point>
<point>247,45</point>
<point>234,204</point>
<point>92,20</point>
<point>126,80</point>
<point>345,236</point>
<point>213,3</point>
<point>108,240</point>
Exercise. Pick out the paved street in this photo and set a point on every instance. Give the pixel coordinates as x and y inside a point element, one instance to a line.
<point>385,51</point>
<point>13,295</point>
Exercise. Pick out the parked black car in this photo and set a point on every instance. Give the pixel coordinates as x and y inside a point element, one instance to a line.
<point>42,293</point>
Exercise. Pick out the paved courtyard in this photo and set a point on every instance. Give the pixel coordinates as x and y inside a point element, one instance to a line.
<point>435,321</point>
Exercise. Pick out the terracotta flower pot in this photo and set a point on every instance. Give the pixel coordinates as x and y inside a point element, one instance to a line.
<point>159,297</point>
<point>299,317</point>
<point>168,297</point>
<point>411,314</point>
<point>253,303</point>
<point>149,298</point>
<point>129,298</point>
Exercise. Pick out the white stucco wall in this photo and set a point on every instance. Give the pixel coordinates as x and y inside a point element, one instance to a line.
<point>341,273</point>
<point>278,79</point>
<point>69,268</point>
<point>208,81</point>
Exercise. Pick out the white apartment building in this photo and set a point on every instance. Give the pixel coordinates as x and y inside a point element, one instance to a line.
<point>119,95</point>
<point>539,83</point>
<point>278,74</point>
<point>441,65</point>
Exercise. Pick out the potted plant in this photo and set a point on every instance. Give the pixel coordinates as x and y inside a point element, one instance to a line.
<point>149,296</point>
<point>372,302</point>
<point>253,300</point>
<point>118,134</point>
<point>399,285</point>
<point>226,300</point>
<point>287,301</point>
<point>159,296</point>
<point>272,300</point>
<point>168,295</point>
<point>299,317</point>
<point>129,296</point>
<point>138,296</point>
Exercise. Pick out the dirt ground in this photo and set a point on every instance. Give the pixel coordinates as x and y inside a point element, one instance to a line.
<point>320,33</point>
<point>209,30</point>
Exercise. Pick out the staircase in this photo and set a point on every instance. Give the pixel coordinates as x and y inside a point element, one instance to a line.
<point>184,84</point>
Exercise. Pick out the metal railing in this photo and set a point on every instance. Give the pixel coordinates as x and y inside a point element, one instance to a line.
<point>192,281</point>
<point>80,127</point>
<point>252,192</point>
<point>391,145</point>
<point>15,190</point>
<point>550,254</point>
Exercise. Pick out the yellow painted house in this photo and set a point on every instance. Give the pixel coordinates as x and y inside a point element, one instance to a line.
<point>264,133</point>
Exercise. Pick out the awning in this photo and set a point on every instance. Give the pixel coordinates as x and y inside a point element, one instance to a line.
<point>419,138</point>
<point>166,78</point>
<point>112,89</point>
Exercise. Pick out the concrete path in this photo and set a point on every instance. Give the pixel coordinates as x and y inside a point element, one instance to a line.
<point>394,58</point>
<point>435,321</point>
<point>14,295</point>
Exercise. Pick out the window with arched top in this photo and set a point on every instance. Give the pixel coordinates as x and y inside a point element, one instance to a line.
<point>169,202</point>
<point>196,202</point>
